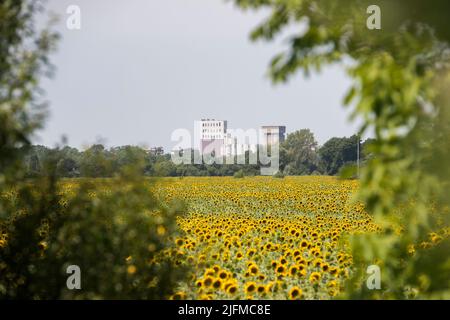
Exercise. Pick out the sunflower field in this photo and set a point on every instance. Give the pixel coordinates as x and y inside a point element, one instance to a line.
<point>265,238</point>
<point>194,238</point>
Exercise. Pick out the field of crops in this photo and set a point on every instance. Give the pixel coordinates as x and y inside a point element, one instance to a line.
<point>262,237</point>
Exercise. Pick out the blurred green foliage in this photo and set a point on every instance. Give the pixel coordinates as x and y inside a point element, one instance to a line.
<point>239,174</point>
<point>400,92</point>
<point>298,153</point>
<point>23,58</point>
<point>115,231</point>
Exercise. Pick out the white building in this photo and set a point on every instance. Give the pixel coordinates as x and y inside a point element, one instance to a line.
<point>213,136</point>
<point>213,129</point>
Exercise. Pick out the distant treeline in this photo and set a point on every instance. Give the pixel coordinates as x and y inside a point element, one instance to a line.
<point>299,155</point>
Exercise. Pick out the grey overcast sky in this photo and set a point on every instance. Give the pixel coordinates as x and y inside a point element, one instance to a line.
<point>139,69</point>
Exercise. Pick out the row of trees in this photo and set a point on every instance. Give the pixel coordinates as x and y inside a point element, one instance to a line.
<point>299,155</point>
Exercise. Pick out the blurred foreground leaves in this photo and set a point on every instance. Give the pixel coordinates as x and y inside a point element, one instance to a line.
<point>116,232</point>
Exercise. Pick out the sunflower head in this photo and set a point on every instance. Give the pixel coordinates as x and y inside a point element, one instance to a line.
<point>293,270</point>
<point>210,272</point>
<point>253,269</point>
<point>315,277</point>
<point>261,289</point>
<point>178,296</point>
<point>232,289</point>
<point>217,283</point>
<point>216,268</point>
<point>208,281</point>
<point>250,287</point>
<point>295,293</point>
<point>280,269</point>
